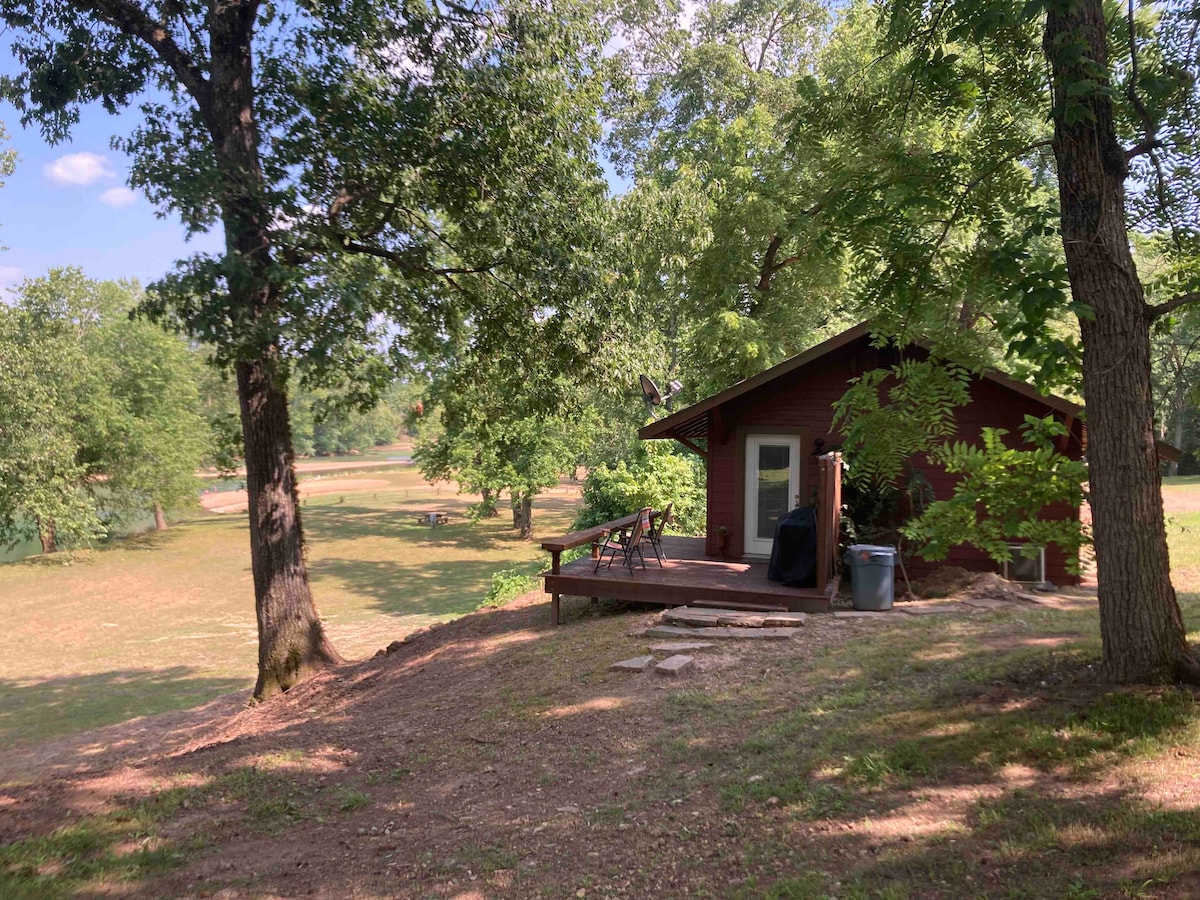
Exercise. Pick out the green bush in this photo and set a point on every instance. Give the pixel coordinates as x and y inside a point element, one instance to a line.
<point>1004,495</point>
<point>510,583</point>
<point>655,476</point>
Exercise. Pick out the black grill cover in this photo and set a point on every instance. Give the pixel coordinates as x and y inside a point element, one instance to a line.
<point>794,551</point>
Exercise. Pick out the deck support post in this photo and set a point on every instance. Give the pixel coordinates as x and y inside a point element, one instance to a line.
<point>595,555</point>
<point>555,569</point>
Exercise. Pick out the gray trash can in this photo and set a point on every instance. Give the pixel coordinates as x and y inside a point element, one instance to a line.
<point>871,575</point>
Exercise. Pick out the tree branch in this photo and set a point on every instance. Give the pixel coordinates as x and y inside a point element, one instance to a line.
<point>405,263</point>
<point>1159,310</point>
<point>1150,139</point>
<point>978,180</point>
<point>1145,145</point>
<point>768,264</point>
<point>130,19</point>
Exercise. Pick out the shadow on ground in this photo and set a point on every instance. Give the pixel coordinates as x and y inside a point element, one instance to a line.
<point>968,756</point>
<point>32,709</point>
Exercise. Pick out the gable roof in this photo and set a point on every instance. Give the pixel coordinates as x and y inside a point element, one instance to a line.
<point>692,421</point>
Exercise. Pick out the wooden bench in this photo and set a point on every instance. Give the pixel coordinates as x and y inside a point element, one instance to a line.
<point>593,536</point>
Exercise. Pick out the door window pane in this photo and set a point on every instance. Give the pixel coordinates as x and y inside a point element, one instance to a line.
<point>774,465</point>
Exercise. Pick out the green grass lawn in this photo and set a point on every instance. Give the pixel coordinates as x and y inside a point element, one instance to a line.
<point>166,621</point>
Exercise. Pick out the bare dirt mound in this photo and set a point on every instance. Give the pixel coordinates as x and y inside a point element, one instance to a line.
<point>959,584</point>
<point>943,582</point>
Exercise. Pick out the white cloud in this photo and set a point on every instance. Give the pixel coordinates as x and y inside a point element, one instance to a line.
<point>78,169</point>
<point>10,276</point>
<point>118,197</point>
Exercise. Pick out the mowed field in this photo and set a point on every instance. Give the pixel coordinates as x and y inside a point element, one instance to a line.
<point>166,621</point>
<point>1181,500</point>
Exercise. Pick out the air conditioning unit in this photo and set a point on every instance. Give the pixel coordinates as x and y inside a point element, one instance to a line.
<point>1025,569</point>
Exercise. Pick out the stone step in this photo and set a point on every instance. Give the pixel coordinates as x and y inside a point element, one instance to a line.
<point>690,615</point>
<point>637,664</point>
<point>723,632</point>
<point>743,620</point>
<point>743,607</point>
<point>674,665</point>
<point>786,620</point>
<point>677,646</point>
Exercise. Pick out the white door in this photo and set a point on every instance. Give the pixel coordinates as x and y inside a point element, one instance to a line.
<point>772,487</point>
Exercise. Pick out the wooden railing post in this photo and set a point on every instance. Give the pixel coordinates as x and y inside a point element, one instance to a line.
<point>578,539</point>
<point>555,568</point>
<point>822,519</point>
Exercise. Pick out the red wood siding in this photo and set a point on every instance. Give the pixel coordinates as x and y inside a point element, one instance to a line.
<point>802,401</point>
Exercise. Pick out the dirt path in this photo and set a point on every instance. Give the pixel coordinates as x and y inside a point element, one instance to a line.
<point>236,501</point>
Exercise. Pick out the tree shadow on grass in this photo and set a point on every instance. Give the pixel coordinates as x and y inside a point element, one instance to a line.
<point>38,709</point>
<point>951,765</point>
<point>341,522</point>
<point>995,772</point>
<point>430,589</point>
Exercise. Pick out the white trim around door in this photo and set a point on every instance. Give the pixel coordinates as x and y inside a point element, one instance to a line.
<point>772,487</point>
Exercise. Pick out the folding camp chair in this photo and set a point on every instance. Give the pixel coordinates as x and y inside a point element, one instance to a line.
<point>654,535</point>
<point>626,542</point>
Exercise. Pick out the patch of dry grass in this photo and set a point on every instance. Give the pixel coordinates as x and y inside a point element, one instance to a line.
<point>166,621</point>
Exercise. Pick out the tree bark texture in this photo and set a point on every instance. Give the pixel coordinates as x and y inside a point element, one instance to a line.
<point>160,518</point>
<point>488,497</point>
<point>291,639</point>
<point>526,517</point>
<point>48,535</point>
<point>1140,622</point>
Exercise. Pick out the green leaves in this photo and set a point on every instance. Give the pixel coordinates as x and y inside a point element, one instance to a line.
<point>654,476</point>
<point>1006,495</point>
<point>99,413</point>
<point>880,438</point>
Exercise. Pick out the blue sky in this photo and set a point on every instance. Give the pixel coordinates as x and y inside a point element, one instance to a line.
<point>69,205</point>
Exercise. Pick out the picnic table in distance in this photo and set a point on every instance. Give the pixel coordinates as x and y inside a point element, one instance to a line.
<point>433,518</point>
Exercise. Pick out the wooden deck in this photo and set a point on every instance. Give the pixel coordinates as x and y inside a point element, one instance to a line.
<point>685,577</point>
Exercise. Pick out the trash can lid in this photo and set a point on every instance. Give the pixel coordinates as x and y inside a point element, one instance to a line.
<point>872,549</point>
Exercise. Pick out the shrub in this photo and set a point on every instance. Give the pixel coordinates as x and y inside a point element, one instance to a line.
<point>655,476</point>
<point>1004,495</point>
<point>510,583</point>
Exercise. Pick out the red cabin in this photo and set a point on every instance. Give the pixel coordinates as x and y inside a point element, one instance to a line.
<point>764,432</point>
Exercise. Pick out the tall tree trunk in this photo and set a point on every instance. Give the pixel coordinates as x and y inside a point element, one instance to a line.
<point>1181,387</point>
<point>526,517</point>
<point>160,518</point>
<point>48,535</point>
<point>489,503</point>
<point>291,639</point>
<point>515,501</point>
<point>1140,622</point>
